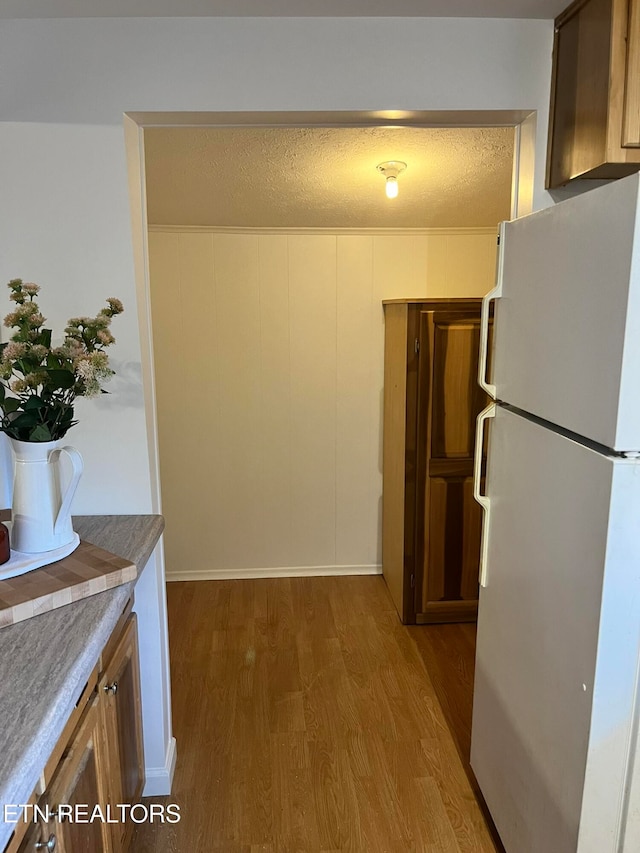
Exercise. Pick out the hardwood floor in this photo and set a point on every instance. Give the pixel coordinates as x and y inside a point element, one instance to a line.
<point>306,721</point>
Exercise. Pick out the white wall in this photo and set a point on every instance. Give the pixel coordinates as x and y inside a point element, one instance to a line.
<point>269,372</point>
<point>70,232</point>
<point>63,208</point>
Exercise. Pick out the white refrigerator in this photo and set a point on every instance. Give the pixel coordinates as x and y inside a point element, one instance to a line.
<point>555,744</point>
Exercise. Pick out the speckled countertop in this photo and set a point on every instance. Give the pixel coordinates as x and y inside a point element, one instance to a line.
<point>46,661</point>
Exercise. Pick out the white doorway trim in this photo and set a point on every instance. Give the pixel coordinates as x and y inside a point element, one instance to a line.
<point>523,122</point>
<point>160,741</point>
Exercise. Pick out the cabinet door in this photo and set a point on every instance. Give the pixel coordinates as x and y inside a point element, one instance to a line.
<point>120,688</point>
<point>36,838</point>
<point>80,781</point>
<point>631,124</point>
<point>594,125</point>
<point>447,586</point>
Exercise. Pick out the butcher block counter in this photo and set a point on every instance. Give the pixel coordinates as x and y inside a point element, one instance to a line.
<point>46,661</point>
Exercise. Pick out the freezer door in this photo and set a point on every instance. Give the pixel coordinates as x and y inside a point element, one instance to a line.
<point>557,645</point>
<point>567,327</point>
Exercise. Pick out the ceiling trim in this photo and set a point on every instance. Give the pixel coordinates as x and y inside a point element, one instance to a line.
<point>64,9</point>
<point>339,118</point>
<point>396,232</point>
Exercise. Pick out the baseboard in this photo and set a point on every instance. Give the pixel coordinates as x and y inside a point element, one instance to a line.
<point>158,780</point>
<point>278,572</point>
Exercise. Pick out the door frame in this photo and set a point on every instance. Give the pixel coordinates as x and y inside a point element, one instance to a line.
<point>135,123</point>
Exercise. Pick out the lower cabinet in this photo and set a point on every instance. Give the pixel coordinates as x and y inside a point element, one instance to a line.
<point>100,764</point>
<point>119,690</point>
<point>80,781</point>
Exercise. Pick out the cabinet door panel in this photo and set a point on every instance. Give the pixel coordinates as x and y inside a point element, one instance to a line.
<point>79,781</point>
<point>120,687</point>
<point>38,833</point>
<point>431,400</point>
<point>447,585</point>
<point>453,542</point>
<point>457,399</point>
<point>594,124</point>
<point>129,734</point>
<point>631,126</point>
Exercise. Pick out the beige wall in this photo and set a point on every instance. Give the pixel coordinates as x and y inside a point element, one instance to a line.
<point>269,365</point>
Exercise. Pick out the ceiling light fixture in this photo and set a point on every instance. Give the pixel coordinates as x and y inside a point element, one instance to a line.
<point>391,169</point>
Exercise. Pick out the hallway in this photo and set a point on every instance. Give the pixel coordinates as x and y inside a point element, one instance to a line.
<point>306,721</point>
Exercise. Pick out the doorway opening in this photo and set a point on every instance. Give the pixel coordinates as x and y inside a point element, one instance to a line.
<point>226,299</point>
<point>329,340</point>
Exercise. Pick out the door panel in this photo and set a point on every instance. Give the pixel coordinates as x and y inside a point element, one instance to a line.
<point>447,587</point>
<point>79,781</point>
<point>456,396</point>
<point>120,688</point>
<point>538,632</point>
<point>453,543</point>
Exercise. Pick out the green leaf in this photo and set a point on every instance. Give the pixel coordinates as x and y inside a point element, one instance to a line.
<point>40,433</point>
<point>11,404</point>
<point>22,418</point>
<point>25,419</point>
<point>61,378</point>
<point>33,402</point>
<point>45,338</point>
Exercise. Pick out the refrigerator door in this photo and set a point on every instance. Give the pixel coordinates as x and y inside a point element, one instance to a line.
<point>557,646</point>
<point>567,326</point>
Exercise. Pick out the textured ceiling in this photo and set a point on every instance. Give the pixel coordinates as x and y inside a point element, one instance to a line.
<point>327,177</point>
<point>281,8</point>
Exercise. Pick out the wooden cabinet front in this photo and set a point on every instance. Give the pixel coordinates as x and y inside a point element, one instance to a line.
<point>80,781</point>
<point>431,523</point>
<point>98,761</point>
<point>77,785</point>
<point>120,689</point>
<point>37,837</point>
<point>594,125</point>
<point>449,519</point>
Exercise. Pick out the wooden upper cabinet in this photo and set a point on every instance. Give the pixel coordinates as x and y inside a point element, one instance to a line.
<point>594,125</point>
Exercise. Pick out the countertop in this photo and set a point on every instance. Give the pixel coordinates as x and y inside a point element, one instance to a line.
<point>46,661</point>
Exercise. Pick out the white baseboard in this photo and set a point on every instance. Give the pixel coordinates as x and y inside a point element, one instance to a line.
<point>158,780</point>
<point>277,572</point>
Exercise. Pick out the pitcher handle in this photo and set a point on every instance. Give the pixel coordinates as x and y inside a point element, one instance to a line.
<point>78,467</point>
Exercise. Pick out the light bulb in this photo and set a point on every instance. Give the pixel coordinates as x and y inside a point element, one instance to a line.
<point>391,187</point>
<point>391,169</point>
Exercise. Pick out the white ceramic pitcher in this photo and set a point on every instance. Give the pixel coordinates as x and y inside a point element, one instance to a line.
<point>41,513</point>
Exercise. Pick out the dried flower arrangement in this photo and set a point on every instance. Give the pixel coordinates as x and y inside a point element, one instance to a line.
<point>38,382</point>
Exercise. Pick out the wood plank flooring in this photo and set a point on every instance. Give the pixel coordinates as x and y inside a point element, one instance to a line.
<point>306,721</point>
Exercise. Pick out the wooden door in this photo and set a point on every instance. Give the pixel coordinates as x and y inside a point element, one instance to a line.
<point>449,519</point>
<point>80,781</point>
<point>120,689</point>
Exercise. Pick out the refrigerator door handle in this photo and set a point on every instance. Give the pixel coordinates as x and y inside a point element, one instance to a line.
<point>483,500</point>
<point>496,293</point>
